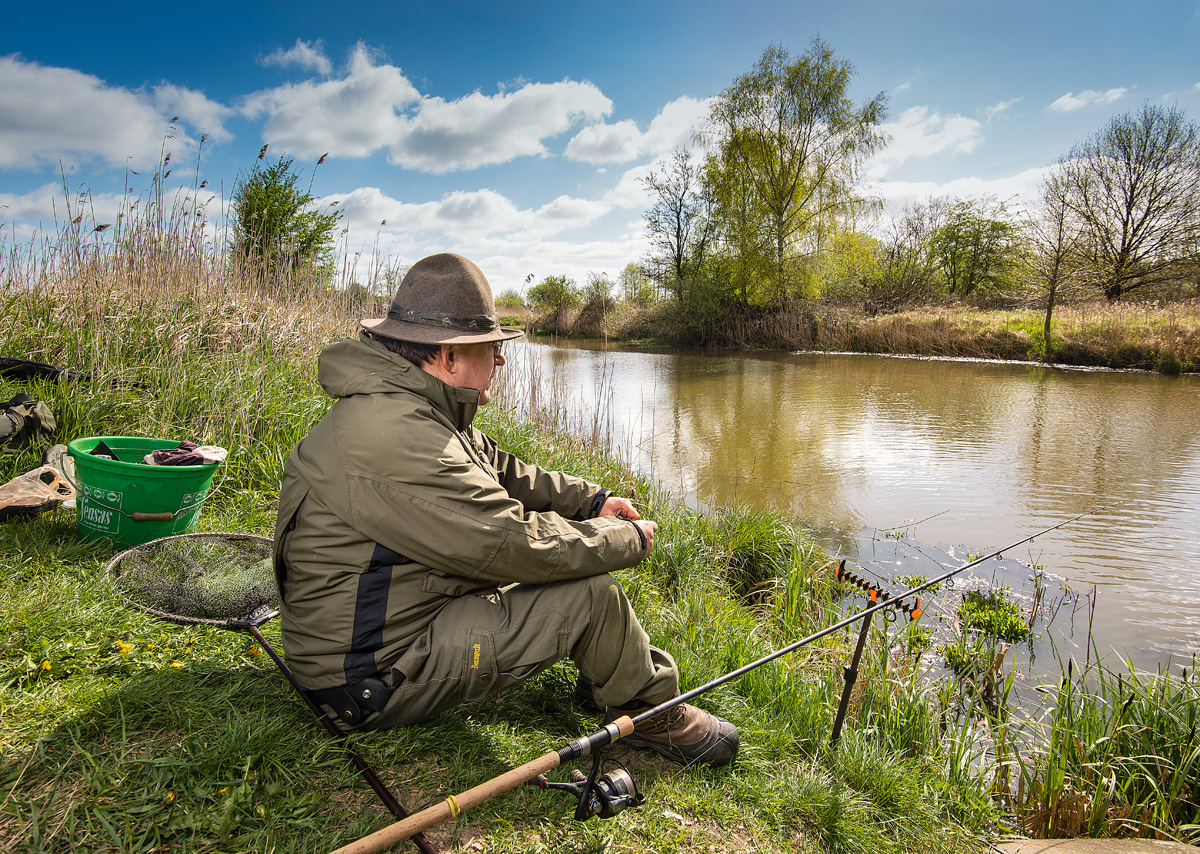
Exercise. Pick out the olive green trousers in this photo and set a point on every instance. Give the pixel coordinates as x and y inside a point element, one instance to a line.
<point>480,645</point>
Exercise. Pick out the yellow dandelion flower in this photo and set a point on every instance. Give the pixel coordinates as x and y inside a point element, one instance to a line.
<point>254,650</point>
<point>170,798</point>
<point>46,665</point>
<point>124,648</point>
<point>186,651</point>
<point>177,664</point>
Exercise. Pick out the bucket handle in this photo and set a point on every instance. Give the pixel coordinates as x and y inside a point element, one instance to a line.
<point>137,515</point>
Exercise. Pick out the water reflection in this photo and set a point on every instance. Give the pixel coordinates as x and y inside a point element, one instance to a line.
<point>977,454</point>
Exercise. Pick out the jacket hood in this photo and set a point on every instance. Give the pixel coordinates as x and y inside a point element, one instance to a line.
<point>349,367</point>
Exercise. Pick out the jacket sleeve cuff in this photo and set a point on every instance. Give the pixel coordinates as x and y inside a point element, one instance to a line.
<point>598,503</point>
<point>641,536</point>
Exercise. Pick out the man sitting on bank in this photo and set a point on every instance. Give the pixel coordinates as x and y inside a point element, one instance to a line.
<point>421,566</point>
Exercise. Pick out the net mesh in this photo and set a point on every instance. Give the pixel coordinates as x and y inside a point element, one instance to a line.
<point>199,578</point>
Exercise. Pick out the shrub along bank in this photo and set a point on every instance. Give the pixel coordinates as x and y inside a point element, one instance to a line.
<point>1146,337</point>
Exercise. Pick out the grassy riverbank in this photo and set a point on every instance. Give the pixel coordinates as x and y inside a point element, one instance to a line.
<point>120,733</point>
<point>1146,337</point>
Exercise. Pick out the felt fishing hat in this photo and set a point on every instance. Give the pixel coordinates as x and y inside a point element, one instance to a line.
<point>443,299</point>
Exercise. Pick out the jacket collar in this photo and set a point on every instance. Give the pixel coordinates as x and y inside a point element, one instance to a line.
<point>350,367</point>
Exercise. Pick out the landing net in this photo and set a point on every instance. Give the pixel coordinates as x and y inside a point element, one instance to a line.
<point>212,578</point>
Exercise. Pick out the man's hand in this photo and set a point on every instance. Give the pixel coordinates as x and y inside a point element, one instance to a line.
<point>624,509</point>
<point>621,507</point>
<point>647,529</point>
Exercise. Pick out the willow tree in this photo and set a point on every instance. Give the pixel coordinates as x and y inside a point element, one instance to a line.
<point>787,146</point>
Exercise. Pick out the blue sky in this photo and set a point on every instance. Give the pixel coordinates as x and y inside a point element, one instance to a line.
<point>517,133</point>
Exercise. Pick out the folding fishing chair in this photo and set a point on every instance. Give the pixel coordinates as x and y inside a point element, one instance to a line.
<point>225,580</point>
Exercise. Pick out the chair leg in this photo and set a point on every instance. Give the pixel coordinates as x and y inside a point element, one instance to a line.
<point>365,770</point>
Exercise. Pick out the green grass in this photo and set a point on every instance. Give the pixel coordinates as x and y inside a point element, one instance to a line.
<point>1112,756</point>
<point>123,733</point>
<point>993,613</point>
<point>120,733</point>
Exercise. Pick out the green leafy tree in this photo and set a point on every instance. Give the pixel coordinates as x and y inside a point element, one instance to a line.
<point>788,145</point>
<point>977,248</point>
<point>1135,187</point>
<point>510,299</point>
<point>277,229</point>
<point>554,293</point>
<point>846,265</point>
<point>635,285</point>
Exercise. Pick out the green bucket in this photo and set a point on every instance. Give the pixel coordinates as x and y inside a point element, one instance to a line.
<point>128,502</point>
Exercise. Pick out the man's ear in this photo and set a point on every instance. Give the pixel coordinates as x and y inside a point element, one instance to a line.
<point>446,357</point>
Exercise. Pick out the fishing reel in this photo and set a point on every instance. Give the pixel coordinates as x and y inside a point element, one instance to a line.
<point>599,794</point>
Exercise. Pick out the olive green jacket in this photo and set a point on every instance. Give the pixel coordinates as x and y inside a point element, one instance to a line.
<point>393,504</point>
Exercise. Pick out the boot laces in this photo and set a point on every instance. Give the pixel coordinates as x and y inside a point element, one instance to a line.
<point>669,720</point>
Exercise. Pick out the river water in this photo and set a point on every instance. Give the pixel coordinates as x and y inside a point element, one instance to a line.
<point>912,464</point>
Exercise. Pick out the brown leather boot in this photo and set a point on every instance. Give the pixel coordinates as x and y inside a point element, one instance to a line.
<point>683,734</point>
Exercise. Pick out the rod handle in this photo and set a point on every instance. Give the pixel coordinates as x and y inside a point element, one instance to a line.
<point>451,807</point>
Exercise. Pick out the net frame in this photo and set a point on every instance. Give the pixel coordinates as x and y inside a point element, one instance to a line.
<point>262,598</point>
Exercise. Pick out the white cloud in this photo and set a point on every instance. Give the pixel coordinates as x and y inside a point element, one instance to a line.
<point>621,142</point>
<point>49,114</point>
<point>999,109</point>
<point>374,106</point>
<point>897,194</point>
<point>463,213</point>
<point>197,110</point>
<point>307,56</point>
<point>630,192</point>
<point>1070,102</point>
<point>481,130</point>
<point>351,116</point>
<point>507,242</point>
<point>921,133</point>
<point>40,204</point>
<point>601,143</point>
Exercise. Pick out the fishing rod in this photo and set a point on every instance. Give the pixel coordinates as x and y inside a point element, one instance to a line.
<point>616,791</point>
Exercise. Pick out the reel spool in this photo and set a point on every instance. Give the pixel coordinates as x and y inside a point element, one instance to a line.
<point>602,795</point>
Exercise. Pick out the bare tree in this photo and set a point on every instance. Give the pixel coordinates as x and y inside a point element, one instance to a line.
<point>679,225</point>
<point>1057,241</point>
<point>907,269</point>
<point>1135,187</point>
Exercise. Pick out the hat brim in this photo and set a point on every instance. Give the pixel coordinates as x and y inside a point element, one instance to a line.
<point>421,333</point>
